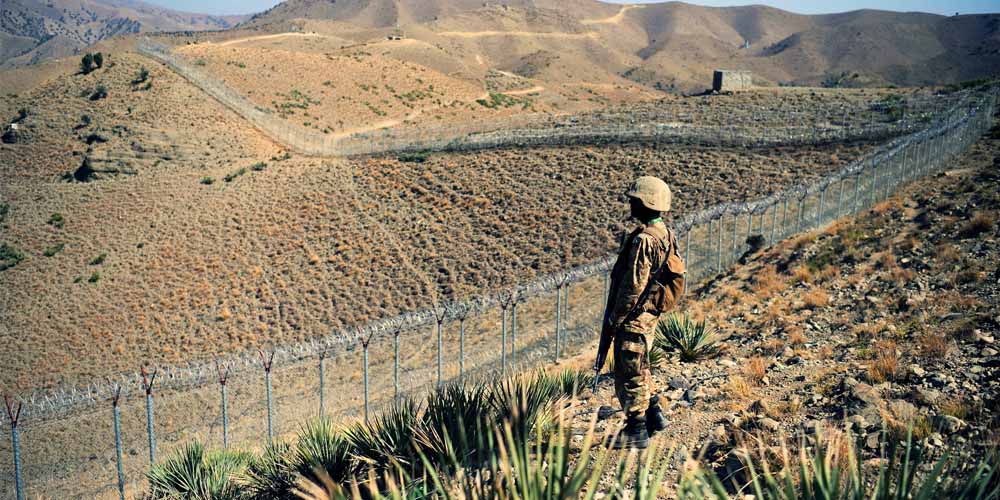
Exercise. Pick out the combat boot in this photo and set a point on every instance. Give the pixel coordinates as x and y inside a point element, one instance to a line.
<point>633,435</point>
<point>656,421</point>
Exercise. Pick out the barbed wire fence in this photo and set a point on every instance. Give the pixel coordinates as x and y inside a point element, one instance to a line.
<point>754,127</point>
<point>64,444</point>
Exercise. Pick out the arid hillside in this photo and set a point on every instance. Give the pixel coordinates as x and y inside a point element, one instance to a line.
<point>150,223</point>
<point>673,45</point>
<point>32,30</point>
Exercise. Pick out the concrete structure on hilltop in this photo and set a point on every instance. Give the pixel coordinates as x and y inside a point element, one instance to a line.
<point>731,80</point>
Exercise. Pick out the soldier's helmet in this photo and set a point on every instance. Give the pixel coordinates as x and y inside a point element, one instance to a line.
<point>652,192</point>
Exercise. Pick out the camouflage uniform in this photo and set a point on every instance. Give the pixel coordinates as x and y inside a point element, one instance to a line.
<point>645,250</point>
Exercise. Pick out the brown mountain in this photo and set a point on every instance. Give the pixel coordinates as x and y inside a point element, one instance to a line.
<point>31,30</point>
<point>675,43</point>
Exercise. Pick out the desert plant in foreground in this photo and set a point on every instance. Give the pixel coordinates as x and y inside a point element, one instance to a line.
<point>690,339</point>
<point>835,470</point>
<point>193,472</point>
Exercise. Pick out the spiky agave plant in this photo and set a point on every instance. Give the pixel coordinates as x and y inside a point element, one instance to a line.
<point>271,475</point>
<point>692,340</point>
<point>387,440</point>
<point>321,449</point>
<point>834,471</point>
<point>195,473</point>
<point>454,429</point>
<point>570,382</point>
<point>520,401</point>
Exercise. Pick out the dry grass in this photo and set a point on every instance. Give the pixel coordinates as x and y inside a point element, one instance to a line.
<point>885,364</point>
<point>801,274</point>
<point>796,336</point>
<point>732,292</point>
<point>773,346</point>
<point>934,345</point>
<point>957,407</point>
<point>981,222</point>
<point>738,388</point>
<point>755,370</point>
<point>768,282</point>
<point>816,298</point>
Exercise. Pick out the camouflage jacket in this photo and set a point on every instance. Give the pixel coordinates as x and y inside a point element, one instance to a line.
<point>640,257</point>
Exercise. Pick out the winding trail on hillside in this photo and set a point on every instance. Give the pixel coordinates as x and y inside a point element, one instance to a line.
<point>526,34</point>
<point>615,19</point>
<point>533,90</point>
<point>269,37</point>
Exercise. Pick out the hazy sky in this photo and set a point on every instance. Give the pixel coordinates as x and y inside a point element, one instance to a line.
<point>812,7</point>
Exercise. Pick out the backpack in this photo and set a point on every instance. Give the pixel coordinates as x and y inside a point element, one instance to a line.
<point>666,286</point>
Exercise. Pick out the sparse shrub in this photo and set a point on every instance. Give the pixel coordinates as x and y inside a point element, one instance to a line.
<point>96,261</point>
<point>885,364</point>
<point>230,177</point>
<point>755,370</point>
<point>767,282</point>
<point>100,92</point>
<point>980,223</point>
<point>53,250</point>
<point>94,277</point>
<point>56,220</point>
<point>4,211</point>
<point>934,345</point>
<point>691,340</point>
<point>738,388</point>
<point>99,60</point>
<point>141,77</point>
<point>815,298</point>
<point>207,181</point>
<point>87,63</point>
<point>258,167</point>
<point>9,257</point>
<point>801,274</point>
<point>414,157</point>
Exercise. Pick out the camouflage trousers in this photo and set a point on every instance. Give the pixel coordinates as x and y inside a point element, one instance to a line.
<point>633,381</point>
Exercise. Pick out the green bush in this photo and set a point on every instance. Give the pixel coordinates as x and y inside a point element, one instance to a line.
<point>258,167</point>
<point>56,220</point>
<point>99,60</point>
<point>53,250</point>
<point>100,92</point>
<point>4,210</point>
<point>692,340</point>
<point>233,175</point>
<point>87,64</point>
<point>141,77</point>
<point>94,277</point>
<point>9,257</point>
<point>208,181</point>
<point>414,157</point>
<point>99,259</point>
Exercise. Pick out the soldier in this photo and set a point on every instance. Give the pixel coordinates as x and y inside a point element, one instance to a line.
<point>646,281</point>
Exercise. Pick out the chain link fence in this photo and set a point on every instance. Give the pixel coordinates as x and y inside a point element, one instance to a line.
<point>755,126</point>
<point>97,441</point>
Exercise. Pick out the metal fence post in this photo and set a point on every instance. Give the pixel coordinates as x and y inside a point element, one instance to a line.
<point>565,302</point>
<point>718,253</point>
<point>116,396</point>
<point>558,316</point>
<point>322,381</point>
<point>14,416</point>
<point>364,373</point>
<point>503,336</point>
<point>802,213</point>
<point>687,248</point>
<point>513,333</point>
<point>439,348</point>
<point>461,347</point>
<point>223,377</point>
<point>840,197</point>
<point>774,220</point>
<point>857,191</point>
<point>147,384</point>
<point>267,361</point>
<point>819,210</point>
<point>395,363</point>
<point>736,225</point>
<point>784,219</point>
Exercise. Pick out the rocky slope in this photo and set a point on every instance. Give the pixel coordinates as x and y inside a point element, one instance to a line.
<point>32,30</point>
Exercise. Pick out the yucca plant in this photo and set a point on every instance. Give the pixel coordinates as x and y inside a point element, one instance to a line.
<point>692,340</point>
<point>520,401</point>
<point>834,471</point>
<point>196,474</point>
<point>272,475</point>
<point>386,439</point>
<point>570,382</point>
<point>455,425</point>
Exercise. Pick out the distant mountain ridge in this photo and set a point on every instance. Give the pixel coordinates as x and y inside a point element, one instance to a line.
<point>678,43</point>
<point>31,30</point>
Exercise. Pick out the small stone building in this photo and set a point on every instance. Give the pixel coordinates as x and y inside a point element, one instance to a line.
<point>731,81</point>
